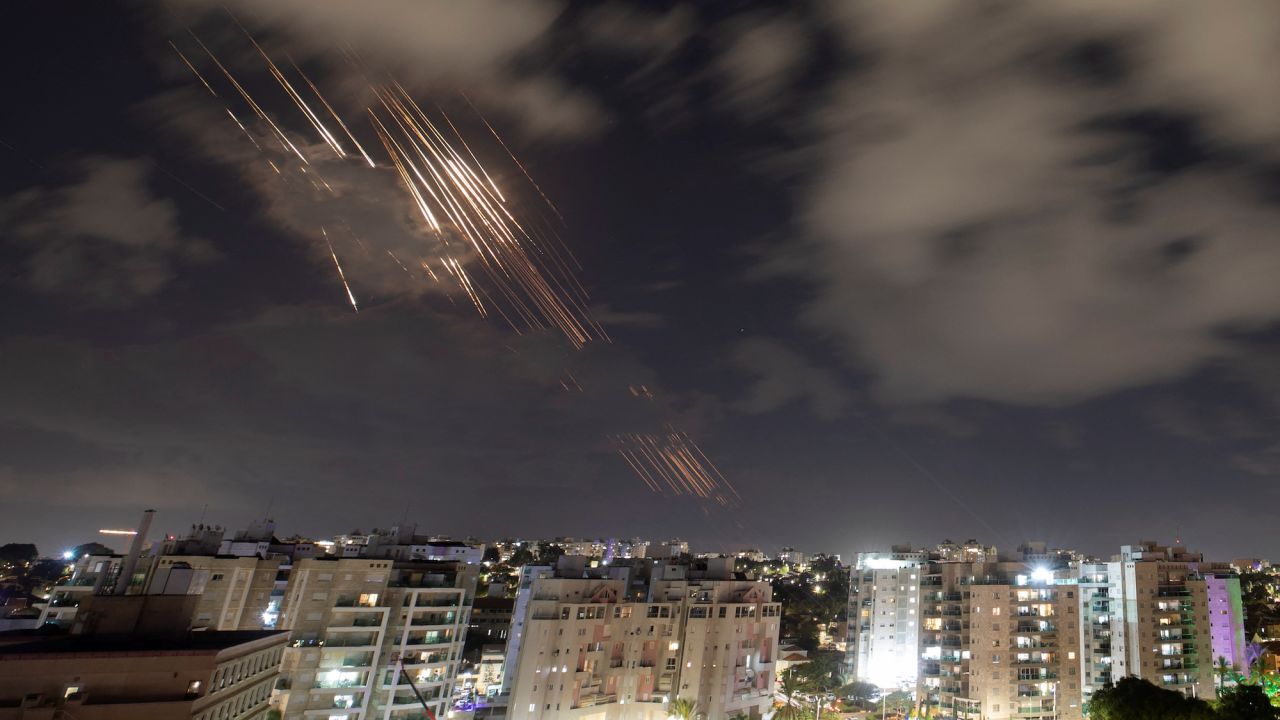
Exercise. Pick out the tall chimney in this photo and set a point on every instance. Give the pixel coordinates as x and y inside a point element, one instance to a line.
<point>131,561</point>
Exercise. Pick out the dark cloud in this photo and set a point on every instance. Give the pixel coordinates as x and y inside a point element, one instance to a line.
<point>781,375</point>
<point>476,47</point>
<point>103,238</point>
<point>760,56</point>
<point>607,315</point>
<point>635,30</point>
<point>301,403</point>
<point>964,224</point>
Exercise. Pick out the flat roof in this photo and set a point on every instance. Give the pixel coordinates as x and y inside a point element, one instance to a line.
<point>192,643</point>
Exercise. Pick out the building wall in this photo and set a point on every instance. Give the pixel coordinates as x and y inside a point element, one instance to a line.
<point>585,652</point>
<point>1226,621</point>
<point>235,592</point>
<point>358,626</point>
<point>232,684</point>
<point>884,624</point>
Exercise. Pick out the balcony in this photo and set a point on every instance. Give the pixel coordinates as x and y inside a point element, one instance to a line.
<point>595,699</point>
<point>351,640</point>
<point>355,604</point>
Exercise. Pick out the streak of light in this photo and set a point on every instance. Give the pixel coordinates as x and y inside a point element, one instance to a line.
<point>245,130</point>
<point>341,275</point>
<point>106,531</point>
<point>285,142</point>
<point>673,462</point>
<point>193,70</point>
<point>570,383</point>
<point>333,112</point>
<point>525,276</point>
<point>402,267</point>
<point>293,94</point>
<point>513,157</point>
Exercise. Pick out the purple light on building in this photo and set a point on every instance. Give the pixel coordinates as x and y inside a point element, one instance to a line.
<point>1226,621</point>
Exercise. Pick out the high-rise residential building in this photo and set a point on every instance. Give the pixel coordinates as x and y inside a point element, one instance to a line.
<point>370,636</point>
<point>1032,636</point>
<point>1226,621</point>
<point>1162,614</point>
<point>621,641</point>
<point>883,645</point>
<point>999,640</point>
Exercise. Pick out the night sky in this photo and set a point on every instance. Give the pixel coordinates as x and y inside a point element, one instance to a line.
<point>905,271</point>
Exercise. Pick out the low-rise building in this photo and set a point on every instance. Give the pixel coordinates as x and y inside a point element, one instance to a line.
<point>131,657</point>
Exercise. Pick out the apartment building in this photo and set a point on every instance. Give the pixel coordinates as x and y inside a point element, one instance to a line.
<point>1162,614</point>
<point>369,636</point>
<point>1032,635</point>
<point>883,641</point>
<point>235,593</point>
<point>133,657</point>
<point>90,574</point>
<point>239,580</point>
<point>1000,640</point>
<point>584,646</point>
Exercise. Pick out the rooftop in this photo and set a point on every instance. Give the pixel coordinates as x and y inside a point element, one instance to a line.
<point>32,643</point>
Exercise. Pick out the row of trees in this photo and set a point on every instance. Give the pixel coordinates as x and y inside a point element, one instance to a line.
<point>1134,699</point>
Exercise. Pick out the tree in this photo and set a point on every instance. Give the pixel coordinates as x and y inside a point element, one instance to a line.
<point>791,682</point>
<point>1245,702</point>
<point>46,570</point>
<point>520,556</point>
<point>821,674</point>
<point>1135,699</point>
<point>18,553</point>
<point>899,702</point>
<point>549,553</point>
<point>859,693</point>
<point>91,548</point>
<point>682,708</point>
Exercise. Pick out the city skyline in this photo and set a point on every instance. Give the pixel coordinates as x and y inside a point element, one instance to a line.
<point>1019,289</point>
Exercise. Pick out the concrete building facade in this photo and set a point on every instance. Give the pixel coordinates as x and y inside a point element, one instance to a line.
<point>368,636</point>
<point>1032,637</point>
<point>585,648</point>
<point>883,641</point>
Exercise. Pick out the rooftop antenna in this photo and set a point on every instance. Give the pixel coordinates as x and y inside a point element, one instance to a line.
<point>203,510</point>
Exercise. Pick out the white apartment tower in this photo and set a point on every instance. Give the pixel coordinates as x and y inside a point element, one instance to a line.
<point>586,647</point>
<point>884,617</point>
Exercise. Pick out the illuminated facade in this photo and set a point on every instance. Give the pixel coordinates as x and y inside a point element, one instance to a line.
<point>884,618</point>
<point>1148,614</point>
<point>364,632</point>
<point>236,593</point>
<point>1032,638</point>
<point>588,648</point>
